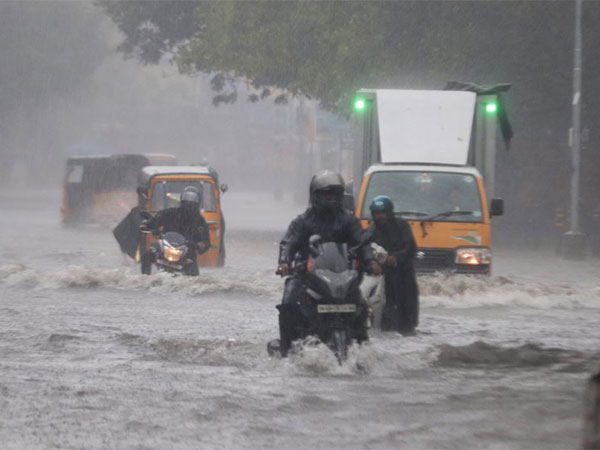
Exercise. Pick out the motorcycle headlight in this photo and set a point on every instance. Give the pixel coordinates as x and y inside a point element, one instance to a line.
<point>473,256</point>
<point>172,254</point>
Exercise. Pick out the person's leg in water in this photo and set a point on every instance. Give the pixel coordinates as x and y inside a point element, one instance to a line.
<point>359,327</point>
<point>192,268</point>
<point>148,258</point>
<point>289,314</point>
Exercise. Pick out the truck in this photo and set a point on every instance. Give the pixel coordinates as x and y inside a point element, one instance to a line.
<point>433,153</point>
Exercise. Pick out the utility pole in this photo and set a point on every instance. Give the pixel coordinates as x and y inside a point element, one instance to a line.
<point>574,245</point>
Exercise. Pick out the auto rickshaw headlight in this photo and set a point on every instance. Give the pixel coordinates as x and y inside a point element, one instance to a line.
<point>172,254</point>
<point>473,256</point>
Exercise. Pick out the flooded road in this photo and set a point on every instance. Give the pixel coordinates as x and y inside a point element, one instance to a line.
<point>95,355</point>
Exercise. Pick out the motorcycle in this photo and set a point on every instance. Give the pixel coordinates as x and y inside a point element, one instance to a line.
<point>330,305</point>
<point>171,253</point>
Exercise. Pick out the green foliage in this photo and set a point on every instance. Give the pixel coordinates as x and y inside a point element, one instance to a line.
<point>317,49</point>
<point>153,28</point>
<point>326,50</point>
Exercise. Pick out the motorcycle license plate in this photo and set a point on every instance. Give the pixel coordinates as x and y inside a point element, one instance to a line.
<point>336,308</point>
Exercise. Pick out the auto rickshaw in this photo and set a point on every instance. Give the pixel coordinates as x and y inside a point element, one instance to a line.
<point>101,189</point>
<point>159,187</point>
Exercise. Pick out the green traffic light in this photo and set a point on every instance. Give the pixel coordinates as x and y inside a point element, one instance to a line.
<point>491,107</point>
<point>359,104</point>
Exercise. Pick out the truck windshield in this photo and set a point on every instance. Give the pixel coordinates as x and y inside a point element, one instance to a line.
<point>419,195</point>
<point>165,194</point>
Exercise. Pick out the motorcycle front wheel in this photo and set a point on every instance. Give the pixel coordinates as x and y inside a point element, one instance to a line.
<point>339,344</point>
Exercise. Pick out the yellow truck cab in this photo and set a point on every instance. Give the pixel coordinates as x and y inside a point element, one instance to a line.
<point>446,207</point>
<point>159,187</point>
<point>427,151</point>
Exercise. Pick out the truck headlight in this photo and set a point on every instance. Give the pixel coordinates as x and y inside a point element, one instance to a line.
<point>473,256</point>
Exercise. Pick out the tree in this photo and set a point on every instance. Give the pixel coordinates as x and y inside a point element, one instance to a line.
<point>153,28</point>
<point>326,50</point>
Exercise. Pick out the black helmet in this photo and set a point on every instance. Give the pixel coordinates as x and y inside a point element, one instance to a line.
<point>192,188</point>
<point>327,190</point>
<point>190,199</point>
<point>189,196</point>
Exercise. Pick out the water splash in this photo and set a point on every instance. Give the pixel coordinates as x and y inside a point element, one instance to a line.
<point>437,291</point>
<point>210,281</point>
<point>462,291</point>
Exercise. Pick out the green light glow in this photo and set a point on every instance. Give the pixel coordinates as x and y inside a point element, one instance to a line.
<point>491,107</point>
<point>359,104</point>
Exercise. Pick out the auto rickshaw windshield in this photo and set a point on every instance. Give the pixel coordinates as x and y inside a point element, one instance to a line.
<point>166,194</point>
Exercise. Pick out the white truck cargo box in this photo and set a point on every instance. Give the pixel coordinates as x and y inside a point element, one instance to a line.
<point>425,126</point>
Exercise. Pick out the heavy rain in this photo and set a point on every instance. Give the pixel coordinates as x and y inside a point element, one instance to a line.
<point>109,105</point>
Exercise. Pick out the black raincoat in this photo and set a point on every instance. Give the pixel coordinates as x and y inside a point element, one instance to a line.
<point>401,312</point>
<point>191,225</point>
<point>340,226</point>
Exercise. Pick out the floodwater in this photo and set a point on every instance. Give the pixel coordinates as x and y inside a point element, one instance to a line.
<point>95,355</point>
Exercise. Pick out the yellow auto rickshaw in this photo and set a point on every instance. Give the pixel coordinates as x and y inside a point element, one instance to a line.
<point>160,187</point>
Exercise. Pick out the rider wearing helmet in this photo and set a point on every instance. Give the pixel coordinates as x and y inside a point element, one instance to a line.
<point>186,220</point>
<point>327,218</point>
<point>401,311</point>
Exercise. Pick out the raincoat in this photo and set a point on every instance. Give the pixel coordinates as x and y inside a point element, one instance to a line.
<point>401,311</point>
<point>340,226</point>
<point>191,225</point>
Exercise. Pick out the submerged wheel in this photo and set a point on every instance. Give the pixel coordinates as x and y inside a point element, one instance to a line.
<point>339,343</point>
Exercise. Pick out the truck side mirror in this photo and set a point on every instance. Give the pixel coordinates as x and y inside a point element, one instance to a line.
<point>496,207</point>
